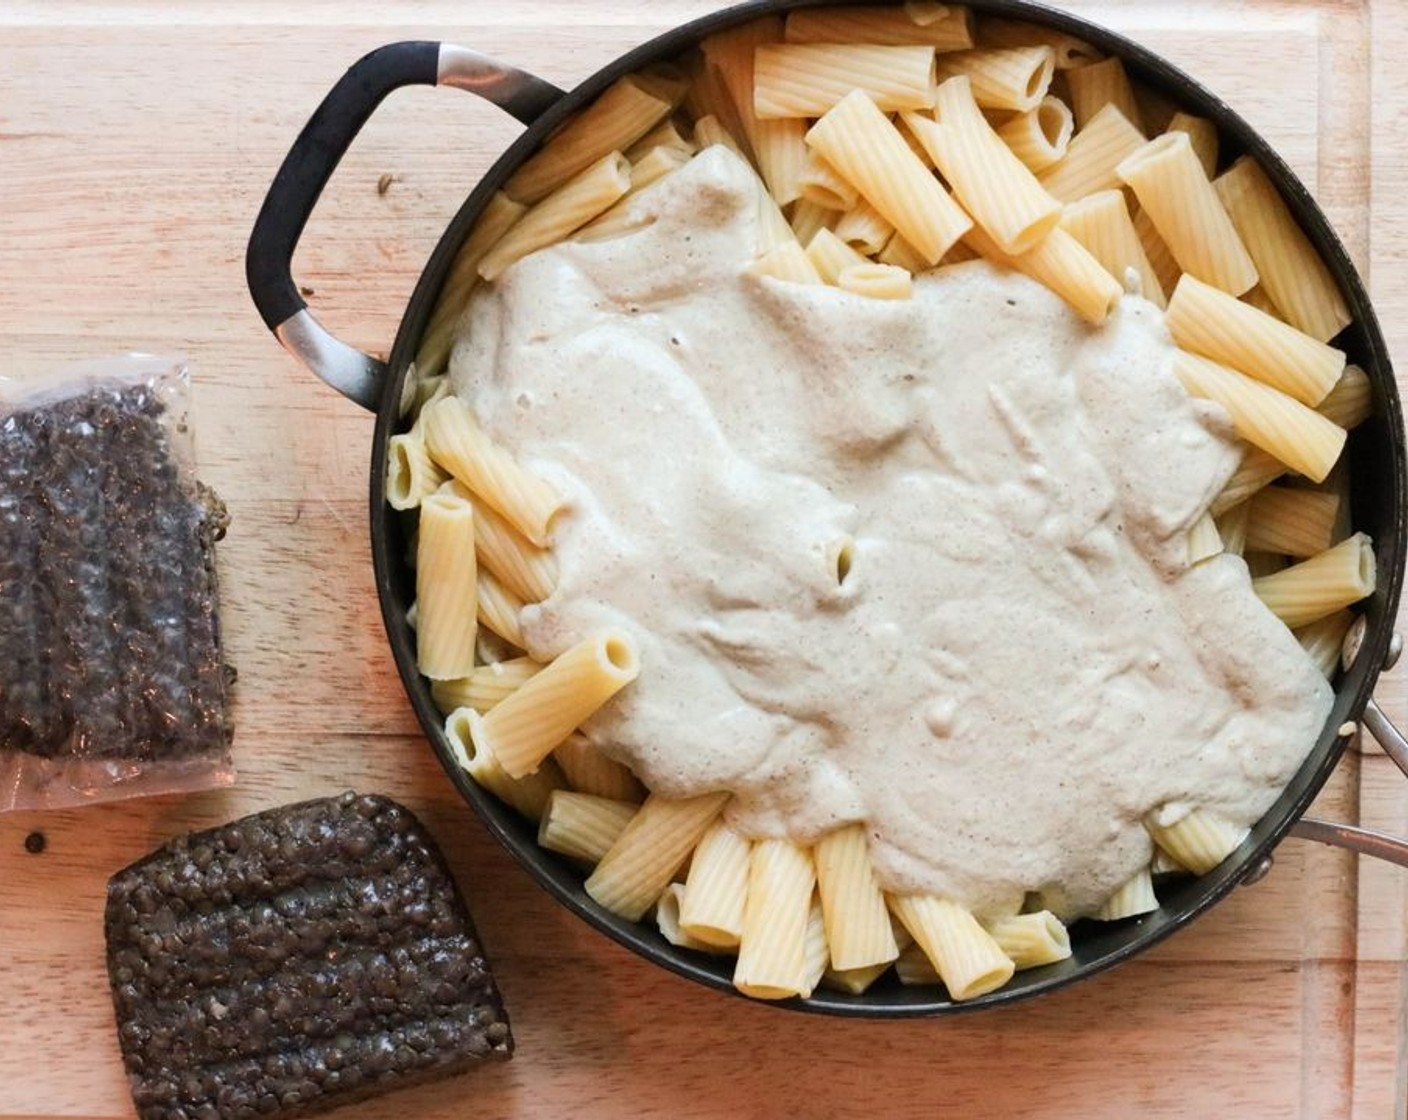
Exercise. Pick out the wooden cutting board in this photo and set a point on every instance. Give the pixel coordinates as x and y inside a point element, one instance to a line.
<point>136,140</point>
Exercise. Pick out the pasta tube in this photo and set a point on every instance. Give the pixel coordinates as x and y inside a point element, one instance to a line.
<point>1198,840</point>
<point>1292,272</point>
<point>1069,51</point>
<point>1257,469</point>
<point>1063,265</point>
<point>667,919</point>
<point>1040,137</point>
<point>1335,579</point>
<point>612,123</point>
<point>807,80</point>
<point>498,609</point>
<point>857,921</point>
<point>485,687</point>
<point>1232,529</point>
<point>582,827</point>
<point>589,769</point>
<point>527,796</point>
<point>966,957</point>
<point>864,227</point>
<point>445,588</point>
<point>830,255</point>
<point>1101,223</point>
<point>782,157</point>
<point>1292,522</point>
<point>808,219</point>
<point>1323,640</point>
<point>1092,155</point>
<point>525,570</point>
<point>1032,940</point>
<point>1099,84</point>
<point>1013,79</point>
<point>876,281</point>
<point>1351,401</point>
<point>591,193</point>
<point>1170,184</point>
<point>1134,897</point>
<point>717,887</point>
<point>820,184</point>
<point>1203,540</point>
<point>772,959</point>
<point>411,475</point>
<point>639,866</point>
<point>1280,425</point>
<point>858,140</point>
<point>788,261</point>
<point>1165,267</point>
<point>1202,134</point>
<point>1208,321</point>
<point>455,441</point>
<point>993,185</point>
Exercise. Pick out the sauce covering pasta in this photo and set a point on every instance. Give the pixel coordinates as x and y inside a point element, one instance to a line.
<point>918,563</point>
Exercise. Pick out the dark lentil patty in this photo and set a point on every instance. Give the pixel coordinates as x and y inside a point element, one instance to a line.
<point>109,633</point>
<point>295,960</point>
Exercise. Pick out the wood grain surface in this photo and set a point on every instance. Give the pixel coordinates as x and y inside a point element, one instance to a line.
<point>136,141</point>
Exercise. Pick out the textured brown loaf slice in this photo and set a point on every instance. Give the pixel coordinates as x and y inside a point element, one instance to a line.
<point>293,961</point>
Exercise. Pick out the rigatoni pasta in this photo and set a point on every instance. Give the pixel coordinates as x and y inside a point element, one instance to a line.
<point>772,957</point>
<point>581,826</point>
<point>945,27</point>
<point>445,588</point>
<point>1040,137</point>
<point>807,80</point>
<point>1099,84</point>
<point>1101,223</point>
<point>1012,79</point>
<point>1337,578</point>
<point>1092,156</point>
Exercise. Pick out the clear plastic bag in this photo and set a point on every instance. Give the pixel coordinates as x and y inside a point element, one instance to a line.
<point>112,679</point>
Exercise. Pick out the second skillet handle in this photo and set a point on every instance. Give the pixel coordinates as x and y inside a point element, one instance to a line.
<point>310,163</point>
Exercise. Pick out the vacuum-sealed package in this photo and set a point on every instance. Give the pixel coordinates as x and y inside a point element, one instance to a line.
<point>112,679</point>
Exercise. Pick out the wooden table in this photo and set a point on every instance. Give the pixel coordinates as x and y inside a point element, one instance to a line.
<point>136,140</point>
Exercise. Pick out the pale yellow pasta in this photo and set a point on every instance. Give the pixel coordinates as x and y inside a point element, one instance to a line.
<point>1295,277</point>
<point>589,769</point>
<point>445,588</point>
<point>717,887</point>
<point>485,687</point>
<point>734,53</point>
<point>1099,84</point>
<point>527,796</point>
<point>1063,265</point>
<point>864,227</point>
<point>639,866</point>
<point>1294,522</point>
<point>1308,591</point>
<point>1204,540</point>
<point>622,218</point>
<point>1257,469</point>
<point>787,261</point>
<point>829,254</point>
<point>666,134</point>
<point>1172,188</point>
<point>1102,224</point>
<point>456,442</point>
<point>1165,864</point>
<point>1092,155</point>
<point>667,920</point>
<point>498,609</point>
<point>709,131</point>
<point>1351,401</point>
<point>1069,51</point>
<point>1208,321</point>
<point>964,954</point>
<point>854,981</point>
<point>589,194</point>
<point>1202,134</point>
<point>411,475</point>
<point>629,109</point>
<point>913,967</point>
<point>1135,896</point>
<point>1323,640</point>
<point>524,569</point>
<point>945,27</point>
<point>773,228</point>
<point>708,97</point>
<point>876,281</point>
<point>1155,248</point>
<point>1265,417</point>
<point>1032,940</point>
<point>857,920</point>
<point>582,827</point>
<point>815,954</point>
<point>653,166</point>
<point>859,141</point>
<point>1012,79</point>
<point>899,252</point>
<point>808,79</point>
<point>1040,137</point>
<point>1232,528</point>
<point>1198,840</point>
<point>993,185</point>
<point>821,185</point>
<point>808,219</point>
<point>772,959</point>
<point>498,216</point>
<point>782,157</point>
<point>523,730</point>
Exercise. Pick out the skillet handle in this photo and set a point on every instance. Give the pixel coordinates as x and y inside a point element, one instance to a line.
<point>310,163</point>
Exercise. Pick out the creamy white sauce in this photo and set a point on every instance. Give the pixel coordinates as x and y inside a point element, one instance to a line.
<point>1018,666</point>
